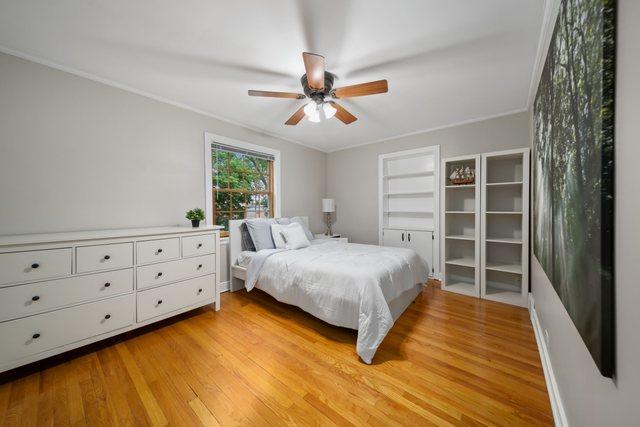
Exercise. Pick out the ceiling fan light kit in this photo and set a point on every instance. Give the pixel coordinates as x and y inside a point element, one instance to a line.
<point>317,84</point>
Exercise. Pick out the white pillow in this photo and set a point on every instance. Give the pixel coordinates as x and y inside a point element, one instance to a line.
<point>276,233</point>
<point>300,221</point>
<point>295,237</point>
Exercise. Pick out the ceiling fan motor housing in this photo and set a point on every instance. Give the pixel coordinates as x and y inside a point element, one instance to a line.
<point>318,95</point>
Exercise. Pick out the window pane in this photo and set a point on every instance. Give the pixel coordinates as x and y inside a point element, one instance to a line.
<point>223,220</point>
<point>240,201</point>
<point>223,201</point>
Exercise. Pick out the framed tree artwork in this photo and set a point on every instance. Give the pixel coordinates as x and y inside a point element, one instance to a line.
<point>573,164</point>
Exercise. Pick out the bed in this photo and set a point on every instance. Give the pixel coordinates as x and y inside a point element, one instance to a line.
<point>362,287</point>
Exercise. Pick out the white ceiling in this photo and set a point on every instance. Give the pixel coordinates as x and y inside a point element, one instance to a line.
<point>446,61</point>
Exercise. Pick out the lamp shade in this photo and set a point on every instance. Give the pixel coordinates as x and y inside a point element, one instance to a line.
<point>328,205</point>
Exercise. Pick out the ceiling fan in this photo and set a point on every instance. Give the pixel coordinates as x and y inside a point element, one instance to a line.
<point>317,85</point>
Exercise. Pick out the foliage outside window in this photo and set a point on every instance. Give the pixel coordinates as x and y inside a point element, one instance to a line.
<point>242,187</point>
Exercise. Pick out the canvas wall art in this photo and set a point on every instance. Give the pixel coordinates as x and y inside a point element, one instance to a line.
<point>573,164</point>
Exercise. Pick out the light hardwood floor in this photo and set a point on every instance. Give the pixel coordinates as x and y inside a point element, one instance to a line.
<point>449,360</point>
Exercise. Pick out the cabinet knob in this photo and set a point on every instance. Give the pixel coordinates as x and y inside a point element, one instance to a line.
<point>159,301</point>
<point>107,257</point>
<point>108,316</point>
<point>403,237</point>
<point>159,274</point>
<point>35,298</point>
<point>106,285</point>
<point>200,290</point>
<point>159,250</point>
<point>409,236</point>
<point>199,245</point>
<point>199,266</point>
<point>35,265</point>
<point>35,336</point>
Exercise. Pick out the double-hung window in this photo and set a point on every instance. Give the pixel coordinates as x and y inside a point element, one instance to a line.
<point>243,184</point>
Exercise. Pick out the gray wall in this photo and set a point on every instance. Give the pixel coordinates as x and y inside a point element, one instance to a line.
<point>352,175</point>
<point>76,154</point>
<point>590,399</point>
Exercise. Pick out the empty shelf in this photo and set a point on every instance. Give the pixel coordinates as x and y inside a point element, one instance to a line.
<point>464,262</point>
<point>496,184</point>
<point>410,212</point>
<point>505,212</point>
<point>460,212</point>
<point>410,193</point>
<point>504,267</point>
<point>511,240</point>
<point>460,237</point>
<point>408,175</point>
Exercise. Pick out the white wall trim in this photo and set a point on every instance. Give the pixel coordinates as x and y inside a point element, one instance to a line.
<point>210,138</point>
<point>108,82</point>
<point>551,9</point>
<point>433,129</point>
<point>559,414</point>
<point>225,286</point>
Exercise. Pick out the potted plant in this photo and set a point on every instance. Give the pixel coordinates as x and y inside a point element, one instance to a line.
<point>195,215</point>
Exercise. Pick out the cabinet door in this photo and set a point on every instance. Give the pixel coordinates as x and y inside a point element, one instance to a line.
<point>422,243</point>
<point>397,238</point>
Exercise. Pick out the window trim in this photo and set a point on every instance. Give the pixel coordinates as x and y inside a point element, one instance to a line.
<point>210,138</point>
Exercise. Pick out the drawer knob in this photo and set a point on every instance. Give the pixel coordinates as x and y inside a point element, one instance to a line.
<point>199,245</point>
<point>159,274</point>
<point>106,285</point>
<point>35,298</point>
<point>107,257</point>
<point>159,251</point>
<point>199,266</point>
<point>35,265</point>
<point>108,316</point>
<point>35,336</point>
<point>200,290</point>
<point>159,301</point>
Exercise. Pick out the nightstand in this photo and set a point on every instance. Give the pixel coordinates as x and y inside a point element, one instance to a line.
<point>337,237</point>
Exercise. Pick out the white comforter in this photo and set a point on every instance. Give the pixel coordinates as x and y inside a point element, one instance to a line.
<point>344,284</point>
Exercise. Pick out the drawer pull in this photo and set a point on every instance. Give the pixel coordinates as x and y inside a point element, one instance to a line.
<point>200,290</point>
<point>159,251</point>
<point>199,266</point>
<point>159,275</point>
<point>35,298</point>
<point>159,301</point>
<point>35,265</point>
<point>107,257</point>
<point>107,317</point>
<point>106,285</point>
<point>199,245</point>
<point>35,336</point>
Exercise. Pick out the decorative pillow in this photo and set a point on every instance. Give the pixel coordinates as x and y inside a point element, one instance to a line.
<point>283,221</point>
<point>300,221</point>
<point>276,233</point>
<point>246,242</point>
<point>295,237</point>
<point>260,232</point>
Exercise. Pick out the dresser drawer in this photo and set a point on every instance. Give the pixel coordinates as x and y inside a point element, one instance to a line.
<point>34,265</point>
<point>35,334</point>
<point>165,299</point>
<point>198,245</point>
<point>171,271</point>
<point>104,257</point>
<point>157,250</point>
<point>25,300</point>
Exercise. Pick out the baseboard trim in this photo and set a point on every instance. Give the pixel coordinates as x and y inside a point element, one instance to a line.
<point>225,286</point>
<point>559,414</point>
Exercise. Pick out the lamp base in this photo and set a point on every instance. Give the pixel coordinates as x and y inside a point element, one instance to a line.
<point>328,221</point>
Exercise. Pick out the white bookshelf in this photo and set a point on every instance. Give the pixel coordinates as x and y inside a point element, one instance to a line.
<point>505,226</point>
<point>408,191</point>
<point>460,236</point>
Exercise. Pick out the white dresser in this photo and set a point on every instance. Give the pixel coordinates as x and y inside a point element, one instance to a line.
<point>60,291</point>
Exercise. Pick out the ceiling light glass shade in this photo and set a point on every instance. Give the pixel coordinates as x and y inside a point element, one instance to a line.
<point>315,118</point>
<point>311,109</point>
<point>329,110</point>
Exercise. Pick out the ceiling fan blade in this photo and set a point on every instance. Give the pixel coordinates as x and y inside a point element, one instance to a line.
<point>343,115</point>
<point>276,94</point>
<point>297,116</point>
<point>314,66</point>
<point>362,89</point>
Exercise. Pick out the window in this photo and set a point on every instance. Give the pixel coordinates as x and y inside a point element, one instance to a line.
<point>242,184</point>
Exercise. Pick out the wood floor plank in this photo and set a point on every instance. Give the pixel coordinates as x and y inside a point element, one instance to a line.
<point>449,360</point>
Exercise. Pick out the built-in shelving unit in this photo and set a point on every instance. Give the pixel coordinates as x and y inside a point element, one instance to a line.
<point>505,231</point>
<point>408,201</point>
<point>460,237</point>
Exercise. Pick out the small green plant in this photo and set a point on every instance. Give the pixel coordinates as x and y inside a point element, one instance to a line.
<point>196,214</point>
